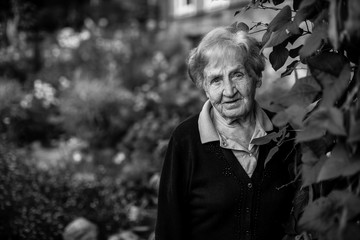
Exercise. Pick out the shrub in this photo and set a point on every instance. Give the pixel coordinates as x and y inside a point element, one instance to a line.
<point>37,204</point>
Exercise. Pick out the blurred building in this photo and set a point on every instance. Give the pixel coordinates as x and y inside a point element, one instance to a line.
<point>193,18</point>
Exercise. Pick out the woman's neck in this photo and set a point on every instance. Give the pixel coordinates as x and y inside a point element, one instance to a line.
<point>242,128</point>
<point>244,122</point>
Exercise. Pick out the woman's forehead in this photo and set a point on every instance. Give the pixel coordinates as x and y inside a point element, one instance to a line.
<point>224,56</point>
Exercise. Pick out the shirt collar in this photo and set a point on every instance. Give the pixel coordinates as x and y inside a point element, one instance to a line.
<point>207,129</point>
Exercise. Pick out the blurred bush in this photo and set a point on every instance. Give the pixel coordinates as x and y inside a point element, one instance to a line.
<point>89,130</point>
<point>37,204</point>
<point>97,112</point>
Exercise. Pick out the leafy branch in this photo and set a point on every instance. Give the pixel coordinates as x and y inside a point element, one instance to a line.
<point>322,107</point>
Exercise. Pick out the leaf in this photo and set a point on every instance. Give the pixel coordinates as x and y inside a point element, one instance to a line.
<point>266,37</point>
<point>303,91</point>
<point>264,140</point>
<point>322,145</point>
<point>239,26</point>
<point>300,16</point>
<point>296,4</point>
<point>347,200</point>
<point>330,119</point>
<point>292,39</point>
<point>277,38</point>
<point>352,22</point>
<point>278,57</point>
<point>273,136</point>
<point>293,114</point>
<point>307,3</point>
<point>313,42</point>
<point>271,154</point>
<point>310,167</point>
<point>339,164</point>
<point>293,53</point>
<point>354,132</point>
<point>309,133</point>
<point>329,62</point>
<point>277,2</point>
<point>242,27</point>
<point>318,215</point>
<point>334,87</point>
<point>333,31</point>
<point>290,68</point>
<point>281,19</point>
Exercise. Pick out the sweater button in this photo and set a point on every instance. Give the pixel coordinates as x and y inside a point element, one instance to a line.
<point>249,185</point>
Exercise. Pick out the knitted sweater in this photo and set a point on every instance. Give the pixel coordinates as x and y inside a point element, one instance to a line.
<point>206,194</point>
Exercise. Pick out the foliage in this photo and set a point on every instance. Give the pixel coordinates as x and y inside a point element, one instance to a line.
<point>37,204</point>
<point>92,110</point>
<point>113,94</point>
<point>323,108</point>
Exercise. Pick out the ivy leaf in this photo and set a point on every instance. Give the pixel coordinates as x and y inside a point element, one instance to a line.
<point>281,19</point>
<point>242,27</point>
<point>303,91</point>
<point>330,119</point>
<point>322,145</point>
<point>333,30</point>
<point>318,215</point>
<point>292,39</point>
<point>290,68</point>
<point>293,53</point>
<point>354,132</point>
<point>273,136</point>
<point>264,140</point>
<point>278,56</point>
<point>277,37</point>
<point>320,121</point>
<point>307,3</point>
<point>322,215</point>
<point>352,22</point>
<point>334,88</point>
<point>310,167</point>
<point>306,10</point>
<point>300,16</point>
<point>347,200</point>
<point>338,164</point>
<point>296,4</point>
<point>266,37</point>
<point>239,26</point>
<point>293,114</point>
<point>313,42</point>
<point>329,62</point>
<point>277,2</point>
<point>271,154</point>
<point>310,133</point>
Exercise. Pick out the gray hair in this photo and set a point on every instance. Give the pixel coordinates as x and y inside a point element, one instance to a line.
<point>229,42</point>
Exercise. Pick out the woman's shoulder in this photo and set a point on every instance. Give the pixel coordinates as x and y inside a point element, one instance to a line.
<point>187,128</point>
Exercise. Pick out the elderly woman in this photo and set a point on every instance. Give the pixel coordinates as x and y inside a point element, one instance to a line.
<point>215,183</point>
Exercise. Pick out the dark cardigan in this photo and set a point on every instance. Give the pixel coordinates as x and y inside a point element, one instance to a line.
<point>206,194</point>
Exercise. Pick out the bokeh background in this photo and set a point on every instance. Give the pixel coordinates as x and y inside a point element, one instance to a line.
<point>90,91</point>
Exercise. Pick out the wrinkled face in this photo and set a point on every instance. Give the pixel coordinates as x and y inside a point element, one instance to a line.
<point>229,88</point>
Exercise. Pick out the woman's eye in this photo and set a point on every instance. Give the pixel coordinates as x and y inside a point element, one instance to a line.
<point>238,75</point>
<point>215,80</point>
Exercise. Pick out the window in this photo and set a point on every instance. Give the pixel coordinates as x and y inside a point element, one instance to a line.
<point>213,5</point>
<point>184,7</point>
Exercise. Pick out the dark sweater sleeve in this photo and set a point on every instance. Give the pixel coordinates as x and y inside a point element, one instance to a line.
<point>171,217</point>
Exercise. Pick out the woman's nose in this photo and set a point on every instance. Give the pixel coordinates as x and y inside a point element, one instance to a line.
<point>229,88</point>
